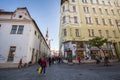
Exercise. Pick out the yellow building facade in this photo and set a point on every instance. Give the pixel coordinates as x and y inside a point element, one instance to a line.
<point>82,20</point>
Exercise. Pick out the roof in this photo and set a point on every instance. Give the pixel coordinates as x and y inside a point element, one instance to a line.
<point>2,12</point>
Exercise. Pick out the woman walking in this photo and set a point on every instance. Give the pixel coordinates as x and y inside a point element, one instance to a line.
<point>44,65</point>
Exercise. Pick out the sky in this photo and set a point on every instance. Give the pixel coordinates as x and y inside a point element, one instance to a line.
<point>46,14</point>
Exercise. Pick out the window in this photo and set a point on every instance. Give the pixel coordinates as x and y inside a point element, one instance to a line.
<point>94,10</point>
<point>109,3</point>
<point>104,22</point>
<point>84,1</point>
<point>110,21</point>
<point>75,20</point>
<point>88,20</point>
<point>86,9</point>
<point>38,36</point>
<point>112,12</point>
<point>97,21</point>
<point>91,32</point>
<point>0,25</point>
<point>73,0</point>
<point>14,29</point>
<point>11,53</point>
<point>103,2</point>
<point>77,32</point>
<point>20,16</point>
<point>100,33</point>
<point>114,32</point>
<point>17,29</point>
<point>115,3</point>
<point>100,11</point>
<point>74,9</point>
<point>107,33</point>
<point>63,8</point>
<point>118,11</point>
<point>64,19</point>
<point>65,32</point>
<point>91,1</point>
<point>106,11</point>
<point>35,33</point>
<point>20,29</point>
<point>97,1</point>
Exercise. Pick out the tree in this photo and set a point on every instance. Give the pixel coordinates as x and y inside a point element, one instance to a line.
<point>97,42</point>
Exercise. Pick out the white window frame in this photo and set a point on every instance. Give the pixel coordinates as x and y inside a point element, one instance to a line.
<point>77,32</point>
<point>64,19</point>
<point>104,21</point>
<point>75,19</point>
<point>107,33</point>
<point>65,32</point>
<point>110,22</point>
<point>100,9</point>
<point>115,34</point>
<point>74,8</point>
<point>106,10</point>
<point>100,33</point>
<point>97,21</point>
<point>63,8</point>
<point>94,10</point>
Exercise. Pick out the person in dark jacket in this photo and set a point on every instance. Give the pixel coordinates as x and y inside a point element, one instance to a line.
<point>40,62</point>
<point>20,63</point>
<point>50,61</point>
<point>106,61</point>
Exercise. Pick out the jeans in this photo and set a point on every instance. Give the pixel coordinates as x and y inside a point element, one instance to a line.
<point>43,69</point>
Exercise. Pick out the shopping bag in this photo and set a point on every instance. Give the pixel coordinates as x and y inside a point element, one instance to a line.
<point>39,70</point>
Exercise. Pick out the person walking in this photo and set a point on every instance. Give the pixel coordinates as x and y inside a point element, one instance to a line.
<point>20,63</point>
<point>49,61</point>
<point>97,59</point>
<point>40,62</point>
<point>106,61</point>
<point>44,65</point>
<point>79,60</point>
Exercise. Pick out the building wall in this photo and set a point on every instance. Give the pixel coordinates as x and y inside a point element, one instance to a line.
<point>83,27</point>
<point>30,39</point>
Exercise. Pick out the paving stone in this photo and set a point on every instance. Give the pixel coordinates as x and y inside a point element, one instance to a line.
<point>64,72</point>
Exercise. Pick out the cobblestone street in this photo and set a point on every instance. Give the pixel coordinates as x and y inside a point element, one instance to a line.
<point>64,72</point>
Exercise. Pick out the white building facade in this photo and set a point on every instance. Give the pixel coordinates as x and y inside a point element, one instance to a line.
<point>20,38</point>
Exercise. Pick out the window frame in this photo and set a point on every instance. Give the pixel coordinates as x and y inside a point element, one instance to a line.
<point>64,19</point>
<point>20,29</point>
<point>14,29</point>
<point>75,19</point>
<point>77,32</point>
<point>100,33</point>
<point>65,32</point>
<point>74,9</point>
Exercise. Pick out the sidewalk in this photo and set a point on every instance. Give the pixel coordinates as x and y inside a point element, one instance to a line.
<point>8,65</point>
<point>89,61</point>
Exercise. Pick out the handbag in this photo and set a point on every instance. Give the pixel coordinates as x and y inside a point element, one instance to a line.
<point>39,70</point>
